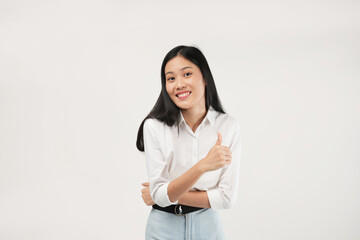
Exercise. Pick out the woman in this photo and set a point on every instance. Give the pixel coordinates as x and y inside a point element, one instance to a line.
<point>192,151</point>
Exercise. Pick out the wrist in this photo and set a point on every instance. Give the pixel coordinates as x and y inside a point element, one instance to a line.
<point>201,167</point>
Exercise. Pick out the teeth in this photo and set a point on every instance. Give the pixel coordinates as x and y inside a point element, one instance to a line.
<point>184,94</point>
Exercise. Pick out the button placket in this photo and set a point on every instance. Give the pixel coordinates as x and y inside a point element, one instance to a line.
<point>195,150</point>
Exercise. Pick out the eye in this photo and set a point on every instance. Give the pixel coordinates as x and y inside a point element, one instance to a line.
<point>187,75</point>
<point>170,78</point>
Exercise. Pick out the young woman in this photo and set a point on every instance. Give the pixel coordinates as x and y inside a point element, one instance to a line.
<point>192,152</point>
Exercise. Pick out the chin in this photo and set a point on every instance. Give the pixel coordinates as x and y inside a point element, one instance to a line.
<point>183,107</point>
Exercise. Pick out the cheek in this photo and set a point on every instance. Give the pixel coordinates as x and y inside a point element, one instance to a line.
<point>200,93</point>
<point>200,89</point>
<point>168,89</point>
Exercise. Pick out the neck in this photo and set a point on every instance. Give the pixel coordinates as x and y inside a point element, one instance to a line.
<point>194,116</point>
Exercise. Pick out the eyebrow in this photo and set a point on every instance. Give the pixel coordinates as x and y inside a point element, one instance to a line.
<point>180,69</point>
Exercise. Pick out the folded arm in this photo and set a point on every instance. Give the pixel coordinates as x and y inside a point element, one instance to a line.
<point>161,187</point>
<point>195,199</point>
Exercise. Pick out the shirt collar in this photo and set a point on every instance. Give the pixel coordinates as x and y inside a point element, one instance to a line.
<point>210,116</point>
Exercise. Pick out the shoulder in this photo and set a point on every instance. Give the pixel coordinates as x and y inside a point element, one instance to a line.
<point>153,124</point>
<point>228,120</point>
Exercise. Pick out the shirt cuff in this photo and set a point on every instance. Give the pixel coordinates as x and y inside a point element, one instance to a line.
<point>163,197</point>
<point>214,198</point>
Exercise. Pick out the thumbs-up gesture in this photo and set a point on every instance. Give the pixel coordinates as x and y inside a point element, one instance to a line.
<point>218,156</point>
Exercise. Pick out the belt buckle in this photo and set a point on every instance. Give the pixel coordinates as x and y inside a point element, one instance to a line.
<point>180,210</point>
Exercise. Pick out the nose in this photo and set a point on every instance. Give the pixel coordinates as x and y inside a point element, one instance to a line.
<point>180,83</point>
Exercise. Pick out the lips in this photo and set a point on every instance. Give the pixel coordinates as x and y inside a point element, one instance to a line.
<point>183,95</point>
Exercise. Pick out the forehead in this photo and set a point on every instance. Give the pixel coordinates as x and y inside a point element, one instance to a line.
<point>177,63</point>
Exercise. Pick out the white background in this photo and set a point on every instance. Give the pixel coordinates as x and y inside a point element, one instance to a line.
<point>78,77</point>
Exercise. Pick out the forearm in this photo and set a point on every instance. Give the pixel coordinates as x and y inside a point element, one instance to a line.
<point>195,199</point>
<point>181,185</point>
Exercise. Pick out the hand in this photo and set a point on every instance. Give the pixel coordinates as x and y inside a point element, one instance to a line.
<point>218,156</point>
<point>146,194</point>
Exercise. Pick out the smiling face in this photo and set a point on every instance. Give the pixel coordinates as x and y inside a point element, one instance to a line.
<point>185,84</point>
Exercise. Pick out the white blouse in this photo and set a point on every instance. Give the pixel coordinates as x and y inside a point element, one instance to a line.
<point>171,151</point>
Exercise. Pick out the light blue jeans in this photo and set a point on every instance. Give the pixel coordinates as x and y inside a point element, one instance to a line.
<point>202,224</point>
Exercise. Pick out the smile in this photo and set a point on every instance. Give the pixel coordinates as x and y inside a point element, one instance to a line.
<point>183,95</point>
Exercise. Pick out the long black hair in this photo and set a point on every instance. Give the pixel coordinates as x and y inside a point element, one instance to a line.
<point>165,110</point>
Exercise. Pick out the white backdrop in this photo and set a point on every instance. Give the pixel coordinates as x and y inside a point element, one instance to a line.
<point>78,77</point>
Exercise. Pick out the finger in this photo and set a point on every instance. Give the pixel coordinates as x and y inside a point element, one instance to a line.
<point>145,184</point>
<point>225,152</point>
<point>228,153</point>
<point>225,148</point>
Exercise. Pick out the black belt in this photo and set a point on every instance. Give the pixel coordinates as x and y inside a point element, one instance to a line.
<point>177,209</point>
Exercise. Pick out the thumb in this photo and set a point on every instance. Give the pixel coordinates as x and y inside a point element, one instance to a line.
<point>218,142</point>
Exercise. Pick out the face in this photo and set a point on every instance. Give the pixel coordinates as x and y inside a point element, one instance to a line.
<point>185,84</point>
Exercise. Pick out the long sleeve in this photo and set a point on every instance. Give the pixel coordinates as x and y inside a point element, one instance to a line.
<point>226,193</point>
<point>156,165</point>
